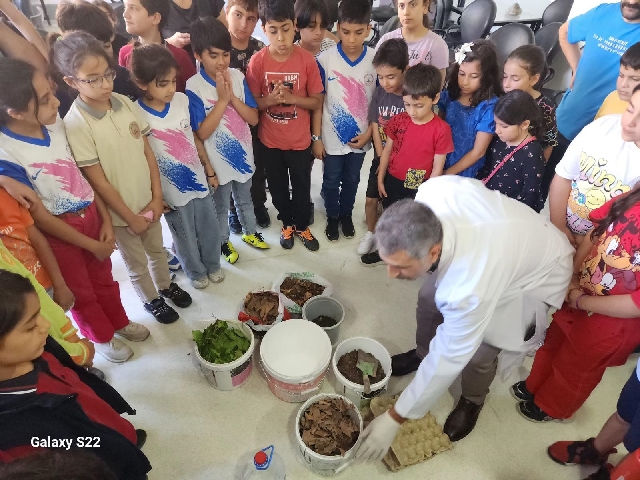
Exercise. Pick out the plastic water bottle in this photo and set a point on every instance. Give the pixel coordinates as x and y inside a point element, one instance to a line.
<point>266,465</point>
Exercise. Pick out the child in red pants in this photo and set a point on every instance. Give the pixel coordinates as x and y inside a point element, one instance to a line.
<point>598,325</point>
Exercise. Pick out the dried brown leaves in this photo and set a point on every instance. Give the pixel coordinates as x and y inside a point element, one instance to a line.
<point>327,428</point>
<point>263,305</point>
<point>299,290</point>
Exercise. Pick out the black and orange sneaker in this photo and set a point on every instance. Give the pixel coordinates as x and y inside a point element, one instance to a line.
<point>580,452</point>
<point>308,239</point>
<point>286,237</point>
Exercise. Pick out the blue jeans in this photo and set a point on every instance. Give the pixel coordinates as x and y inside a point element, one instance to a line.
<point>244,207</point>
<point>340,182</point>
<point>196,235</point>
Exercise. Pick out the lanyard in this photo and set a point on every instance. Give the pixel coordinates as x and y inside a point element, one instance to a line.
<point>506,159</point>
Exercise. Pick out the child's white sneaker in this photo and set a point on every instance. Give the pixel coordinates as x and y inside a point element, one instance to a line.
<point>115,351</point>
<point>366,243</point>
<point>216,277</point>
<point>200,283</point>
<point>134,332</point>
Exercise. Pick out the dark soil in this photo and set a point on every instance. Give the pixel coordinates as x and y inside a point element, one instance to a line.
<point>299,290</point>
<point>347,367</point>
<point>324,321</point>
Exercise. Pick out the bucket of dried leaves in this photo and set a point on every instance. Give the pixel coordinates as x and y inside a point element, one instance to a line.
<point>328,428</point>
<point>298,287</point>
<point>263,309</point>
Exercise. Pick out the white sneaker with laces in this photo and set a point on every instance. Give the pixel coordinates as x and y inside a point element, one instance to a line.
<point>366,243</point>
<point>115,351</point>
<point>216,277</point>
<point>134,332</point>
<point>200,283</point>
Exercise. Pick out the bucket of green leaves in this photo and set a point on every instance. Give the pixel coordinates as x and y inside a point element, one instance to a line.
<point>224,350</point>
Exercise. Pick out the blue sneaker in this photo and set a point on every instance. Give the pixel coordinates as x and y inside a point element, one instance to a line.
<point>172,260</point>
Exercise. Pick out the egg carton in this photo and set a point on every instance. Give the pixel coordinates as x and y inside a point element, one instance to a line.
<point>416,441</point>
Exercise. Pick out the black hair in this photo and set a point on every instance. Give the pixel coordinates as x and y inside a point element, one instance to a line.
<point>151,62</point>
<point>16,87</point>
<point>516,107</point>
<point>532,59</point>
<point>68,52</point>
<point>107,6</point>
<point>392,53</point>
<point>616,213</point>
<point>305,12</point>
<point>631,58</point>
<point>209,32</point>
<point>277,10</point>
<point>85,17</point>
<point>248,5</point>
<point>162,7</point>
<point>57,465</point>
<point>13,290</point>
<point>422,81</point>
<point>357,12</point>
<point>490,86</point>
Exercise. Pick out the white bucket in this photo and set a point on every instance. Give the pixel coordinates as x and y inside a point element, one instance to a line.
<point>229,376</point>
<point>354,391</point>
<point>295,356</point>
<point>316,306</point>
<point>322,464</point>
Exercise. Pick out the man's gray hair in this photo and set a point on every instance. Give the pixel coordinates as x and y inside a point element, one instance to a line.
<point>410,226</point>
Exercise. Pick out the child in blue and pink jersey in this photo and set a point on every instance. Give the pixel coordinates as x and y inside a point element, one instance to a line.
<point>222,108</point>
<point>189,208</point>
<point>349,80</point>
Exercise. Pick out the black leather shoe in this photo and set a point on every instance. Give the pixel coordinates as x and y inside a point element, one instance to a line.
<point>462,420</point>
<point>405,363</point>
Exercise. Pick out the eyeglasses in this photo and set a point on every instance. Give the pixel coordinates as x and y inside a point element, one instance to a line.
<point>97,82</point>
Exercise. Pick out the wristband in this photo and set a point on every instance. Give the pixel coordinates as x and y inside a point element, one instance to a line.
<point>396,417</point>
<point>578,300</point>
<point>212,176</point>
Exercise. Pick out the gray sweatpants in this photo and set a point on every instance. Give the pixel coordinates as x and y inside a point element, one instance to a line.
<point>244,207</point>
<point>481,369</point>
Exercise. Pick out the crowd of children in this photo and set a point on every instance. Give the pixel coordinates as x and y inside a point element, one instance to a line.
<point>120,133</point>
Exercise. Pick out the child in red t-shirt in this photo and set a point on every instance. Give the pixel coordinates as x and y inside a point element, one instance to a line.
<point>285,82</point>
<point>44,396</point>
<point>417,140</point>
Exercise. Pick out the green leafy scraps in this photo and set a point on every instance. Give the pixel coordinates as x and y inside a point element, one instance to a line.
<point>367,368</point>
<point>220,343</point>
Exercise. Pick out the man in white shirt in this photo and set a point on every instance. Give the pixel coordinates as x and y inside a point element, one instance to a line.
<point>494,267</point>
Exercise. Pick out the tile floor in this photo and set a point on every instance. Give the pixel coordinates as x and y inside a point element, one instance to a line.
<point>197,432</point>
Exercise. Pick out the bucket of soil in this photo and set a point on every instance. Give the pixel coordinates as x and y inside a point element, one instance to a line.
<point>363,368</point>
<point>328,428</point>
<point>295,356</point>
<point>224,350</point>
<point>263,309</point>
<point>326,312</point>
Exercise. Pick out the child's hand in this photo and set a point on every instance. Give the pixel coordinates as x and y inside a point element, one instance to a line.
<point>359,141</point>
<point>381,189</point>
<point>223,88</point>
<point>570,236</point>
<point>213,181</point>
<point>179,39</point>
<point>138,225</point>
<point>102,250</point>
<point>317,148</point>
<point>63,296</point>
<point>166,208</point>
<point>107,234</point>
<point>91,351</point>
<point>276,96</point>
<point>22,194</point>
<point>287,96</point>
<point>155,207</point>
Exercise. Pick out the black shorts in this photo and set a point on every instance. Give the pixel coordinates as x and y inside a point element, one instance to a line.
<point>372,183</point>
<point>395,190</point>
<point>629,410</point>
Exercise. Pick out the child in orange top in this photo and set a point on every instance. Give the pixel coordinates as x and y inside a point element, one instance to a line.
<point>25,242</point>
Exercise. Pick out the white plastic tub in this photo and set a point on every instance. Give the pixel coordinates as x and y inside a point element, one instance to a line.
<point>295,356</point>
<point>316,306</point>
<point>229,376</point>
<point>322,464</point>
<point>354,391</point>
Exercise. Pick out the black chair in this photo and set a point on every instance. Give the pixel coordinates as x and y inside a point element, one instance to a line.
<point>444,8</point>
<point>547,39</point>
<point>476,21</point>
<point>509,37</point>
<point>557,11</point>
<point>380,16</point>
<point>390,25</point>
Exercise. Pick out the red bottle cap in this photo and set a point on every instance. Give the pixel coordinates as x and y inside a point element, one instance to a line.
<point>260,458</point>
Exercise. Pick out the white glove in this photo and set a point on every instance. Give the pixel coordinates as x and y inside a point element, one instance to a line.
<point>378,437</point>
